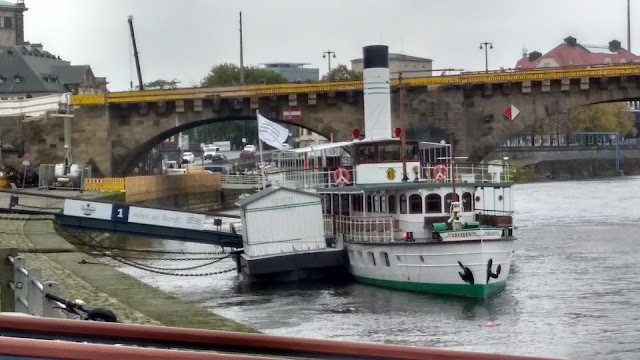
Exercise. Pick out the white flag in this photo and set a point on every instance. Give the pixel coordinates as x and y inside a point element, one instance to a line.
<point>271,133</point>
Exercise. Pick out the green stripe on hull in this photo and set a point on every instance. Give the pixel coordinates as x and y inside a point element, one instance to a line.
<point>467,290</point>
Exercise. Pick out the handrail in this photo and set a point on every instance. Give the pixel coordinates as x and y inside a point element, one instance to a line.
<point>27,291</point>
<point>212,340</point>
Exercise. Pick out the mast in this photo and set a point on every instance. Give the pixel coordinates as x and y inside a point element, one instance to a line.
<point>453,167</point>
<point>135,52</point>
<point>403,138</point>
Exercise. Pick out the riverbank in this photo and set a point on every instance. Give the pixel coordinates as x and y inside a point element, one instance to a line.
<point>82,276</point>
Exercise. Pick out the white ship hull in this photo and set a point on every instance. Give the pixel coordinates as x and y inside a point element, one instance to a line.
<point>434,267</point>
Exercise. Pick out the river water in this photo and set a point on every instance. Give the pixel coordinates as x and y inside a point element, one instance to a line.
<point>574,290</point>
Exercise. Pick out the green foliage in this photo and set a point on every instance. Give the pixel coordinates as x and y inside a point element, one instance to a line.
<point>342,72</point>
<point>228,74</point>
<point>613,117</point>
<point>160,84</point>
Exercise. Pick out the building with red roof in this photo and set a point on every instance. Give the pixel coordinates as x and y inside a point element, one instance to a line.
<point>572,53</point>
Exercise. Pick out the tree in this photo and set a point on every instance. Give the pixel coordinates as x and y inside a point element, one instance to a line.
<point>614,117</point>
<point>228,74</point>
<point>160,84</point>
<point>342,72</point>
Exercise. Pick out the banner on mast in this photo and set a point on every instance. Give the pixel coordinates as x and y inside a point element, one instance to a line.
<point>271,133</point>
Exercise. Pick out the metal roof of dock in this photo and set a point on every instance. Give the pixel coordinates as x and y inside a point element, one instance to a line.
<point>268,191</point>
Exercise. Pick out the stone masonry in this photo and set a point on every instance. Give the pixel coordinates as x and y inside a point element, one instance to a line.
<point>113,138</point>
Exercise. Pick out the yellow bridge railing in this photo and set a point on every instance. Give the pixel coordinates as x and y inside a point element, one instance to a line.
<point>320,87</point>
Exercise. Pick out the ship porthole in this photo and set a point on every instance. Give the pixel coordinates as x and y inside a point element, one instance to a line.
<point>499,197</point>
<point>477,198</point>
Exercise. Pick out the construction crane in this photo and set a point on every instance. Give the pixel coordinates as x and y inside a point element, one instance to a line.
<point>135,52</point>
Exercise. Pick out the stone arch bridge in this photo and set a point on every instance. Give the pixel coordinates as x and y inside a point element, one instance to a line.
<point>111,131</point>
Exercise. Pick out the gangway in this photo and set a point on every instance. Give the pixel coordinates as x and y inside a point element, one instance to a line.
<point>92,215</point>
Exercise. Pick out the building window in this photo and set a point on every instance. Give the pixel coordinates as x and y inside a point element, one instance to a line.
<point>392,204</point>
<point>3,79</point>
<point>403,204</point>
<point>433,204</point>
<point>467,202</point>
<point>415,204</point>
<point>17,79</point>
<point>8,23</point>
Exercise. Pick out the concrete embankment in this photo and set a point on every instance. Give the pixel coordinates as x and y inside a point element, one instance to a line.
<point>82,276</point>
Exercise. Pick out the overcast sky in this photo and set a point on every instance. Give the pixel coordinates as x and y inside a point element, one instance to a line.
<point>182,39</point>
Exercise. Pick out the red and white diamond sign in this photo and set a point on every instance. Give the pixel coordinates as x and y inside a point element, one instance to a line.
<point>511,112</point>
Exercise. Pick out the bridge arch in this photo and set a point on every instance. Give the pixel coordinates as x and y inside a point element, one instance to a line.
<point>134,155</point>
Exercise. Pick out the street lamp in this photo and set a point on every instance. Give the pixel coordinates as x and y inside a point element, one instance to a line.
<point>327,54</point>
<point>486,46</point>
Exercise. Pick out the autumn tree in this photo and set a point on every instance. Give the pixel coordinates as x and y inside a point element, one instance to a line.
<point>342,72</point>
<point>228,74</point>
<point>613,117</point>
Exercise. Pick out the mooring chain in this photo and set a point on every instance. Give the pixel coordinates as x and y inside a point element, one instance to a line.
<point>144,267</point>
<point>151,251</point>
<point>169,259</point>
<point>172,269</point>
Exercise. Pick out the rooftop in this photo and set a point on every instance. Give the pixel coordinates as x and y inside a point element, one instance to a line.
<point>285,64</point>
<point>13,5</point>
<point>399,57</point>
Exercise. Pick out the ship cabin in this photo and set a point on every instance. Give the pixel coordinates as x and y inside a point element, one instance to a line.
<point>368,195</point>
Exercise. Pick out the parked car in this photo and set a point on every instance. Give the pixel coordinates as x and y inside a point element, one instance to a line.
<point>250,148</point>
<point>188,156</point>
<point>210,152</point>
<point>222,169</point>
<point>247,154</point>
<point>218,159</point>
<point>285,146</point>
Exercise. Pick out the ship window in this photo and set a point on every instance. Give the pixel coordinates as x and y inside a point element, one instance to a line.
<point>412,152</point>
<point>447,200</point>
<point>467,202</point>
<point>372,258</point>
<point>361,256</point>
<point>376,204</point>
<point>403,204</point>
<point>383,204</point>
<point>433,204</point>
<point>415,204</point>
<point>392,204</point>
<point>389,153</point>
<point>356,202</point>
<point>369,203</point>
<point>385,258</point>
<point>366,154</point>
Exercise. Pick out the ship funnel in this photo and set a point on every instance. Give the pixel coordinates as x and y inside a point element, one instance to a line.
<point>377,94</point>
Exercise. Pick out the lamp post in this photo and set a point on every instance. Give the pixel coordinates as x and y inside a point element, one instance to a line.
<point>327,54</point>
<point>486,46</point>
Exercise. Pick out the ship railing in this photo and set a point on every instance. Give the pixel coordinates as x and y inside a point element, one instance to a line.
<point>492,172</point>
<point>362,229</point>
<point>308,178</point>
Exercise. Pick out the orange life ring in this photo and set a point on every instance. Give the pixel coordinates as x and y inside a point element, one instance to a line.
<point>341,176</point>
<point>440,173</point>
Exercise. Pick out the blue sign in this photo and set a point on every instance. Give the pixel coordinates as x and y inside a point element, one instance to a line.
<point>120,212</point>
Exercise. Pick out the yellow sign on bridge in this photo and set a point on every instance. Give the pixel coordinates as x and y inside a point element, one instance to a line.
<point>322,87</point>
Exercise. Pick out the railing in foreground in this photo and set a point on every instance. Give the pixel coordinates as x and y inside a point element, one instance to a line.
<point>23,290</point>
<point>362,229</point>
